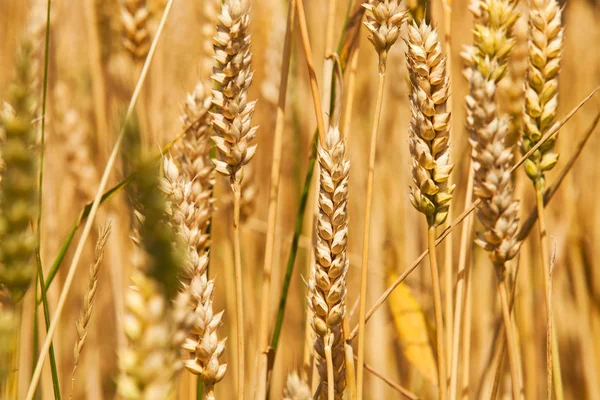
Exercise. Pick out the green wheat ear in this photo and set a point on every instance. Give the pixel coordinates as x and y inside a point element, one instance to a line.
<point>18,189</point>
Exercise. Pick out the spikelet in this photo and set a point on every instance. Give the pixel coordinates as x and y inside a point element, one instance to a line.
<point>232,118</point>
<point>541,88</point>
<point>384,19</point>
<point>327,287</point>
<point>430,124</point>
<point>296,388</point>
<point>202,348</point>
<point>135,15</point>
<point>18,190</point>
<point>492,161</point>
<point>493,40</point>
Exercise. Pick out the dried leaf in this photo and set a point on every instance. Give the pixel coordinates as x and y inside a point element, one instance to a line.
<point>411,329</point>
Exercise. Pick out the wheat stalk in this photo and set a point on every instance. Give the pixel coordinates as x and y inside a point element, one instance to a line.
<point>539,113</point>
<point>429,133</point>
<point>232,122</point>
<point>384,19</point>
<point>498,212</point>
<point>88,301</point>
<point>134,25</point>
<point>327,287</point>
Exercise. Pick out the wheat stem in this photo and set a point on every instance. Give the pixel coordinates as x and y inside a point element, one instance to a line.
<point>513,350</point>
<point>88,226</point>
<point>553,366</point>
<point>239,299</point>
<point>366,237</point>
<point>314,86</point>
<point>439,318</point>
<point>464,270</point>
<point>263,366</point>
<point>448,245</point>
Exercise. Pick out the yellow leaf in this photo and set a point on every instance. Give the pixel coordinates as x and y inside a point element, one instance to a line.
<point>411,327</point>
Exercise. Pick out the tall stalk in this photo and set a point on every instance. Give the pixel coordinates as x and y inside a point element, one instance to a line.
<point>263,367</point>
<point>384,18</point>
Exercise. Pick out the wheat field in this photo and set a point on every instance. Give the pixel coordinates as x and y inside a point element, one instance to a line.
<point>243,199</point>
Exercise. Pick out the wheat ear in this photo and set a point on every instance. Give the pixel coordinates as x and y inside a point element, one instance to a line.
<point>384,20</point>
<point>18,189</point>
<point>134,24</point>
<point>492,44</point>
<point>428,140</point>
<point>541,103</point>
<point>498,212</point>
<point>88,301</point>
<point>153,321</point>
<point>232,122</point>
<point>327,288</point>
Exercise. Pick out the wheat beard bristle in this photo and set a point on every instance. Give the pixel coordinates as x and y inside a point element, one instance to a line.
<point>327,288</point>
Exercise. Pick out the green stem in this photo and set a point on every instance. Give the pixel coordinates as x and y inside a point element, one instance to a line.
<point>54,370</point>
<point>40,269</point>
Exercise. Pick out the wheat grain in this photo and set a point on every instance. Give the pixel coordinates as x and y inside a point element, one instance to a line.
<point>232,118</point>
<point>429,125</point>
<point>88,302</point>
<point>384,19</point>
<point>327,288</point>
<point>541,87</point>
<point>492,37</point>
<point>296,388</point>
<point>134,26</point>
<point>201,345</point>
<point>492,162</point>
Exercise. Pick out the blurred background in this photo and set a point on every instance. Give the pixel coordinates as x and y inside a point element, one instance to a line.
<point>91,78</point>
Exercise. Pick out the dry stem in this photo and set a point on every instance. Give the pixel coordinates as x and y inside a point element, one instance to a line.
<point>439,318</point>
<point>510,336</point>
<point>366,235</point>
<point>239,299</point>
<point>464,271</point>
<point>555,364</point>
<point>314,86</point>
<point>263,361</point>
